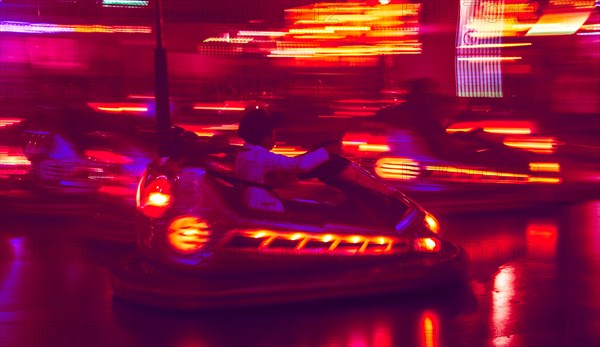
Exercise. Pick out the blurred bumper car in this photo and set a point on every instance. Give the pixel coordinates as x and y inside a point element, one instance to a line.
<point>199,247</point>
<point>14,165</point>
<point>81,162</point>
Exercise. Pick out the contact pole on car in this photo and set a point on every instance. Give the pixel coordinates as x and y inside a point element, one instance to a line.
<point>161,97</point>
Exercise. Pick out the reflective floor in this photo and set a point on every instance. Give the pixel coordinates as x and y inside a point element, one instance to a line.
<point>535,281</point>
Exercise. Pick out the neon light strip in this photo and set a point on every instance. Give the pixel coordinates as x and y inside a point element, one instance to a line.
<point>127,3</point>
<point>397,168</point>
<point>10,121</point>
<point>475,172</point>
<point>481,59</point>
<point>495,45</point>
<point>361,241</point>
<point>559,23</point>
<point>544,167</point>
<point>262,33</point>
<point>458,130</point>
<point>547,180</point>
<point>218,108</point>
<point>511,131</point>
<point>531,144</point>
<point>288,151</point>
<point>45,28</point>
<point>373,148</point>
<point>478,70</point>
<point>117,108</point>
<point>224,127</point>
<point>228,40</point>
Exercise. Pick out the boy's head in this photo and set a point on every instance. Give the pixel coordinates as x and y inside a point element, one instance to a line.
<point>256,127</point>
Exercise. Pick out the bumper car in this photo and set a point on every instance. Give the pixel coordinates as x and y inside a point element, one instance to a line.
<point>463,171</point>
<point>80,164</point>
<point>199,247</point>
<point>14,165</point>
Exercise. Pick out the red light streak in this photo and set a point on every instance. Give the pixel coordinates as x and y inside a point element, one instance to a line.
<point>4,122</point>
<point>108,29</point>
<point>118,107</point>
<point>547,180</point>
<point>533,144</point>
<point>288,151</point>
<point>218,107</point>
<point>494,127</point>
<point>107,156</point>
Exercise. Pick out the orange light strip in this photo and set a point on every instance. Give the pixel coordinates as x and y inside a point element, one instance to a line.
<point>224,127</point>
<point>548,180</point>
<point>4,122</point>
<point>475,172</point>
<point>495,45</point>
<point>217,107</point>
<point>361,241</point>
<point>261,33</point>
<point>348,28</point>
<point>458,130</point>
<point>117,107</point>
<point>512,127</point>
<point>229,40</point>
<point>366,147</point>
<point>204,134</point>
<point>123,109</point>
<point>537,145</point>
<point>509,131</point>
<point>512,177</point>
<point>544,167</point>
<point>108,29</point>
<point>488,58</point>
<point>288,151</point>
<point>13,160</point>
<point>354,143</point>
<point>559,23</point>
<point>397,168</point>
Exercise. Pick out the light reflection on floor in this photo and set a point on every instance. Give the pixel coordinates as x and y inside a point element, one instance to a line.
<point>535,280</point>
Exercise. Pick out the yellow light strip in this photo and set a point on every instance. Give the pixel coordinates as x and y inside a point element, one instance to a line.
<point>123,109</point>
<point>533,145</point>
<point>549,180</point>
<point>373,148</point>
<point>488,58</point>
<point>510,131</point>
<point>397,168</point>
<point>495,45</point>
<point>10,121</point>
<point>544,167</point>
<point>360,241</point>
<point>475,172</point>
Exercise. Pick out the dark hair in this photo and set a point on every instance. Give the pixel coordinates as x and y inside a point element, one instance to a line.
<point>256,125</point>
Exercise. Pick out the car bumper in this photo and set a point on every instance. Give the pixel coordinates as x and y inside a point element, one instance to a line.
<point>138,281</point>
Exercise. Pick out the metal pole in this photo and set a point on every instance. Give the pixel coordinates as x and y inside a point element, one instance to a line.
<point>161,96</point>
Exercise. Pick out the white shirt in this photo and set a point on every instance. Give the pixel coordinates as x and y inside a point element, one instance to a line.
<point>259,165</point>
